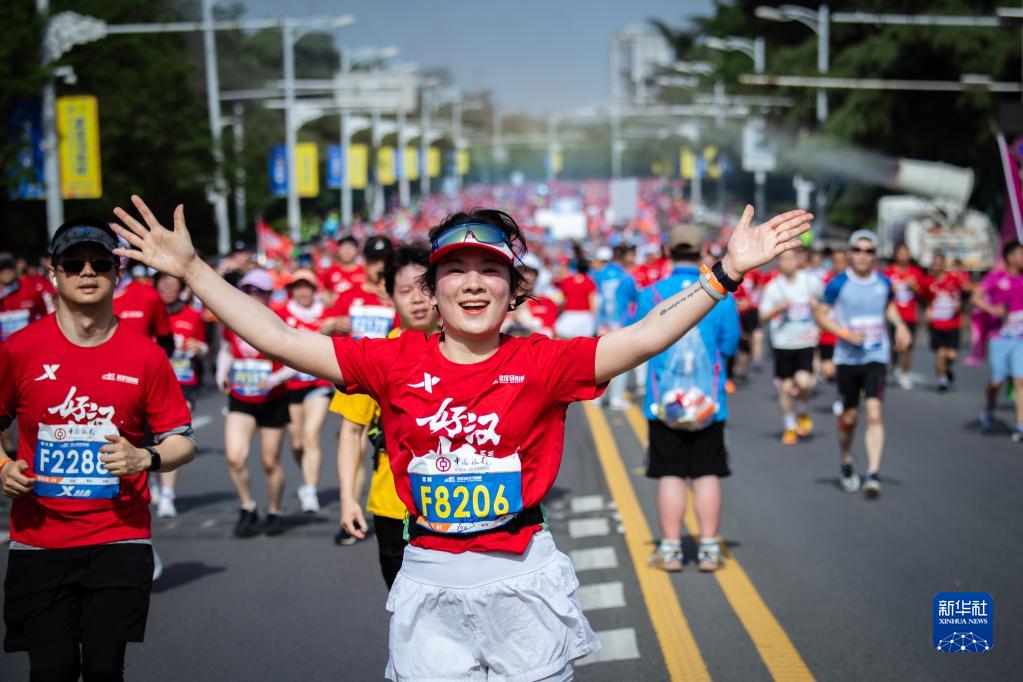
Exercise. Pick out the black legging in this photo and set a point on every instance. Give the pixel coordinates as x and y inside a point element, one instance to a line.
<point>64,660</point>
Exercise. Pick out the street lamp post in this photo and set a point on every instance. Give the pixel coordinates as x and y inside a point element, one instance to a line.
<point>818,21</point>
<point>426,102</point>
<point>238,132</point>
<point>217,194</point>
<point>754,49</point>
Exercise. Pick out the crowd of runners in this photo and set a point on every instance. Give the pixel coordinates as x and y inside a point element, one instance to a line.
<point>451,343</point>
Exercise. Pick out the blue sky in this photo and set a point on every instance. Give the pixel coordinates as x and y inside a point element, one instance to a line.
<point>536,55</point>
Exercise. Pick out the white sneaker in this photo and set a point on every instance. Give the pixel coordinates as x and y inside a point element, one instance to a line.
<point>620,405</point>
<point>157,566</point>
<point>838,408</point>
<point>904,381</point>
<point>154,494</point>
<point>165,509</point>
<point>308,499</point>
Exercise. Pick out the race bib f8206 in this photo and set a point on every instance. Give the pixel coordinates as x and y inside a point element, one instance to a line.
<point>67,462</point>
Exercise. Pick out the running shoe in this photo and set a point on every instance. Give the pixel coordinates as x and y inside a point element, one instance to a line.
<point>951,375</point>
<point>872,486</point>
<point>248,524</point>
<point>804,425</point>
<point>850,480</point>
<point>789,437</point>
<point>308,499</point>
<point>157,566</point>
<point>1017,436</point>
<point>154,494</point>
<point>274,524</point>
<point>343,538</point>
<point>987,420</point>
<point>165,509</point>
<point>619,404</point>
<point>837,408</point>
<point>670,561</point>
<point>709,557</point>
<point>943,384</point>
<point>904,381</point>
<point>729,386</point>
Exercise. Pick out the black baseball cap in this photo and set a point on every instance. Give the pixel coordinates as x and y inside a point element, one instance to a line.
<point>82,231</point>
<point>377,248</point>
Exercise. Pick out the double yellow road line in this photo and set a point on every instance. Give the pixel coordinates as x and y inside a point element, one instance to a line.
<point>682,656</point>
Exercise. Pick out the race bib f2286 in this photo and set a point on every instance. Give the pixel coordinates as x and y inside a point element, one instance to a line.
<point>67,462</point>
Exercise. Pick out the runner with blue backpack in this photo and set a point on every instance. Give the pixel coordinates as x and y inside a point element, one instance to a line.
<point>686,411</point>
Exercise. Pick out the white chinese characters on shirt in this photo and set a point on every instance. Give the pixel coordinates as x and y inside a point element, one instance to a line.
<point>477,430</point>
<point>83,410</point>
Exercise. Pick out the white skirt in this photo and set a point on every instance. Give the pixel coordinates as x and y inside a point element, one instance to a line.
<point>486,615</point>
<point>575,323</point>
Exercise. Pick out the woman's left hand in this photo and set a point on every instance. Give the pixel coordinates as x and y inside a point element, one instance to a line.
<point>750,247</point>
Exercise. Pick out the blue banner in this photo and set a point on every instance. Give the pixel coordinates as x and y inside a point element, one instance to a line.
<point>335,167</point>
<point>25,130</point>
<point>278,170</point>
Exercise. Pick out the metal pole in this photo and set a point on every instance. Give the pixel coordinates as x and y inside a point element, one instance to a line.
<point>217,194</point>
<point>51,158</point>
<point>616,143</point>
<point>346,147</point>
<point>498,146</point>
<point>823,38</point>
<point>403,186</point>
<point>290,132</point>
<point>719,100</point>
<point>239,171</point>
<point>760,193</point>
<point>551,147</point>
<point>759,56</point>
<point>378,188</point>
<point>424,141</point>
<point>456,133</point>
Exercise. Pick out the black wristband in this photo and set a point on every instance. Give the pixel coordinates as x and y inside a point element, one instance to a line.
<point>727,282</point>
<point>157,461</point>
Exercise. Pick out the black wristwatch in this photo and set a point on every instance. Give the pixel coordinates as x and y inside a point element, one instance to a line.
<point>727,282</point>
<point>157,461</point>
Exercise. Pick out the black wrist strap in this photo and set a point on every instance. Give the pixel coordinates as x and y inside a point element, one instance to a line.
<point>157,460</point>
<point>727,282</point>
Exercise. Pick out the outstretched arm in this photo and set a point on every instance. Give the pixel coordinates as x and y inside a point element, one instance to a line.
<point>748,248</point>
<point>171,251</point>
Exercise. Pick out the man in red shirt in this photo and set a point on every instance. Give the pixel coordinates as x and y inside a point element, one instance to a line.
<point>20,301</point>
<point>84,388</point>
<point>140,307</point>
<point>579,313</point>
<point>337,278</point>
<point>944,297</point>
<point>364,310</point>
<point>909,283</point>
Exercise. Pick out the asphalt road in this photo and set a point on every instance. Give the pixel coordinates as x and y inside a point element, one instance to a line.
<point>822,582</point>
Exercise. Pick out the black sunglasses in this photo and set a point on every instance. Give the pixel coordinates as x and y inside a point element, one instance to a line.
<point>857,249</point>
<point>75,266</point>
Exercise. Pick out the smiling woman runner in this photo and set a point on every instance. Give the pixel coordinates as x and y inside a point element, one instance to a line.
<point>474,423</point>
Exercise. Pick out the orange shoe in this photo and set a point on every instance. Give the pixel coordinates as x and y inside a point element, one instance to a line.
<point>790,437</point>
<point>804,426</point>
<point>729,386</point>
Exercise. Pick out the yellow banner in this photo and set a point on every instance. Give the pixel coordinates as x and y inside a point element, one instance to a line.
<point>687,163</point>
<point>710,156</point>
<point>412,163</point>
<point>307,169</point>
<point>386,172</point>
<point>462,161</point>
<point>358,166</point>
<point>78,132</point>
<point>433,164</point>
<point>557,162</point>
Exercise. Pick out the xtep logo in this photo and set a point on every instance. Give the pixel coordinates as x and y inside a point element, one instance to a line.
<point>428,382</point>
<point>49,372</point>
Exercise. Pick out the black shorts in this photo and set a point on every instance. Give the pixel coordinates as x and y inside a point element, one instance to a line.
<point>54,594</point>
<point>190,393</point>
<point>867,379</point>
<point>273,414</point>
<point>944,338</point>
<point>687,454</point>
<point>749,321</point>
<point>826,352</point>
<point>788,361</point>
<point>297,396</point>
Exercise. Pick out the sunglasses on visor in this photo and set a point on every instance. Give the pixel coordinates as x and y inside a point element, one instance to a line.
<point>857,249</point>
<point>472,232</point>
<point>75,266</point>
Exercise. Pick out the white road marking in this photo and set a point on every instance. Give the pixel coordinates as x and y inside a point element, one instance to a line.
<point>593,559</point>
<point>601,596</point>
<point>200,421</point>
<point>584,528</point>
<point>615,645</point>
<point>208,523</point>
<point>587,503</point>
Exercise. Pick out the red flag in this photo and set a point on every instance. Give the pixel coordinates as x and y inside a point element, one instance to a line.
<point>272,245</point>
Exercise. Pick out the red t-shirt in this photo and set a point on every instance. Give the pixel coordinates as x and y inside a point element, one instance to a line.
<point>20,306</point>
<point>905,298</point>
<point>69,396</point>
<point>249,368</point>
<point>944,300</point>
<point>339,279</point>
<point>371,315</point>
<point>577,289</point>
<point>186,324</point>
<point>303,318</point>
<point>140,307</point>
<point>545,310</point>
<point>490,434</point>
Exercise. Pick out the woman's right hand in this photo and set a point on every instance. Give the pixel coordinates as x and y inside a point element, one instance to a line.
<point>169,251</point>
<point>352,519</point>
